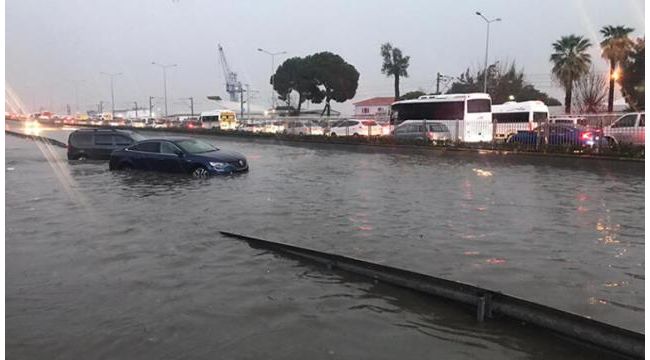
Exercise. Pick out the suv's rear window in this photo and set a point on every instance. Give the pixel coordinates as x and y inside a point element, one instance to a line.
<point>103,139</point>
<point>81,139</point>
<point>122,140</point>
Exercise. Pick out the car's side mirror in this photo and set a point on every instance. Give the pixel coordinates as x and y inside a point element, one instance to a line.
<point>179,153</point>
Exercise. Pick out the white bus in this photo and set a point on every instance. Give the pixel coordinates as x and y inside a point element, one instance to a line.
<point>220,119</point>
<point>510,117</point>
<point>467,116</point>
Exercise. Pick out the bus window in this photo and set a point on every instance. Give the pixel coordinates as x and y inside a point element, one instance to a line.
<point>452,110</point>
<point>515,117</point>
<point>540,116</point>
<point>479,106</point>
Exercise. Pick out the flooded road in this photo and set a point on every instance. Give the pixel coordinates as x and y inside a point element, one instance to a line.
<point>130,264</point>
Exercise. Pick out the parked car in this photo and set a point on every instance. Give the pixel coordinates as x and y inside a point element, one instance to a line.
<point>96,121</point>
<point>273,127</point>
<point>68,120</point>
<point>99,143</point>
<point>191,124</point>
<point>303,128</point>
<point>117,122</point>
<point>178,155</point>
<point>251,127</point>
<point>355,128</point>
<point>160,124</point>
<point>138,123</point>
<point>574,120</point>
<point>558,134</point>
<point>628,129</point>
<point>419,130</point>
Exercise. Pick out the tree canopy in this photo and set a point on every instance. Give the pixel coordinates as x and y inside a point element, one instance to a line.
<point>321,76</point>
<point>395,64</point>
<point>412,95</point>
<point>632,80</point>
<point>615,45</point>
<point>503,82</point>
<point>570,62</point>
<point>591,92</point>
<point>296,74</point>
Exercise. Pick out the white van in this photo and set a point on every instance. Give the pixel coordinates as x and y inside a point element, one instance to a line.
<point>628,129</point>
<point>510,117</point>
<point>220,119</point>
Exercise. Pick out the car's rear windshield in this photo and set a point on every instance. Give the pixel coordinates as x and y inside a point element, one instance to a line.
<point>193,146</point>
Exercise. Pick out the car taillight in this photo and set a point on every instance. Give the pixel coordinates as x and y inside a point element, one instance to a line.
<point>586,136</point>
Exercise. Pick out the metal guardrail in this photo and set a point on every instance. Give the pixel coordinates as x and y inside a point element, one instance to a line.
<point>38,137</point>
<point>487,303</point>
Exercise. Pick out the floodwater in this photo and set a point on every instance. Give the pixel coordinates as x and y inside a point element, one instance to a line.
<point>104,264</point>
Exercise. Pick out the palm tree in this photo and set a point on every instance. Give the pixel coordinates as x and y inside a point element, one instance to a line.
<point>570,62</point>
<point>395,64</point>
<point>616,46</point>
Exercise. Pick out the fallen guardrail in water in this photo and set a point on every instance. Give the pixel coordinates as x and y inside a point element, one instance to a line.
<point>37,137</point>
<point>487,303</point>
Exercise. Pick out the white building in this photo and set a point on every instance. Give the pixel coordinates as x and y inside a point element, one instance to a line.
<point>376,107</point>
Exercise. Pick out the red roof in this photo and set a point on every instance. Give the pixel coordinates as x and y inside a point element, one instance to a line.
<point>376,101</point>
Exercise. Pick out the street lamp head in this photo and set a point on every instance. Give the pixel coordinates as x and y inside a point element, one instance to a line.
<point>497,19</point>
<point>258,49</point>
<point>153,63</point>
<point>478,13</point>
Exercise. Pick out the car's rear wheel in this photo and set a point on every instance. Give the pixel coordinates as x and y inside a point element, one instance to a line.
<point>611,143</point>
<point>125,166</point>
<point>200,172</point>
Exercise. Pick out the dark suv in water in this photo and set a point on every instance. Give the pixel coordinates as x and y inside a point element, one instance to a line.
<point>99,143</point>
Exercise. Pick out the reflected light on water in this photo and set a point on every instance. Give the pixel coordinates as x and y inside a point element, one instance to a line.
<point>483,173</point>
<point>32,128</point>
<point>495,261</point>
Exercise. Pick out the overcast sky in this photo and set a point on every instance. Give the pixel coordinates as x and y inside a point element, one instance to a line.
<point>51,44</point>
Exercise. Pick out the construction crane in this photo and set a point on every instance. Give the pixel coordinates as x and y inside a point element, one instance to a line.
<point>233,86</point>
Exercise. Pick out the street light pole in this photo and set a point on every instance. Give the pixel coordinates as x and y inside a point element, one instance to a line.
<point>272,54</point>
<point>164,69</point>
<point>487,44</point>
<point>112,76</point>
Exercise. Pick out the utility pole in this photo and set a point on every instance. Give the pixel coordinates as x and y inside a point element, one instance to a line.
<point>111,76</point>
<point>164,69</point>
<point>101,107</point>
<point>192,106</point>
<point>272,54</point>
<point>136,109</point>
<point>150,106</point>
<point>438,84</point>
<point>487,44</point>
<point>248,101</point>
<point>241,102</point>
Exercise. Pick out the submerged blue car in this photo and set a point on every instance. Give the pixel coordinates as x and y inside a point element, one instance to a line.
<point>178,155</point>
